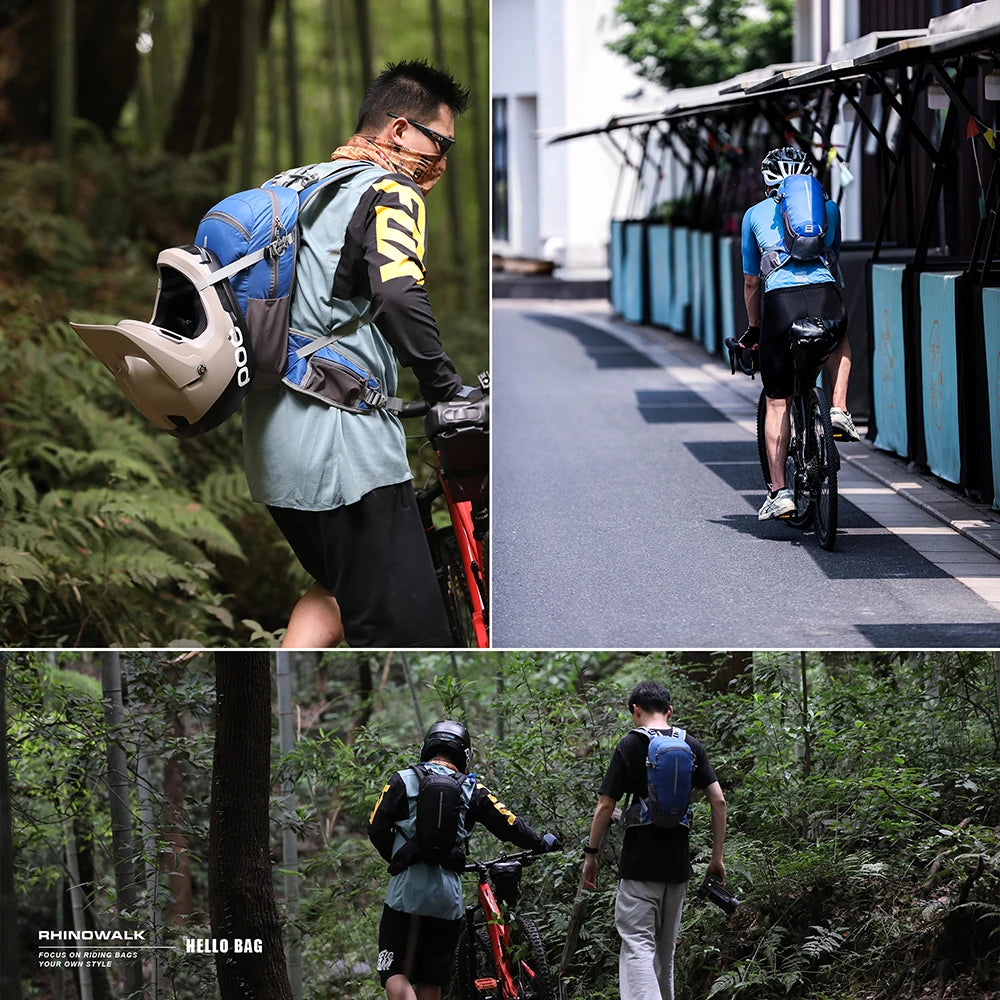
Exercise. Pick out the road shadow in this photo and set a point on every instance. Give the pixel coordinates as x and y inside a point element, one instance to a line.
<point>930,635</point>
<point>877,556</point>
<point>603,349</point>
<point>676,406</point>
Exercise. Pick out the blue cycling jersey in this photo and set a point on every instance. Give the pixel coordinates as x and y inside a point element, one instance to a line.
<point>763,231</point>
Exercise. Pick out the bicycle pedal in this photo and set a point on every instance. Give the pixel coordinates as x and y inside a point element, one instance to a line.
<point>485,985</point>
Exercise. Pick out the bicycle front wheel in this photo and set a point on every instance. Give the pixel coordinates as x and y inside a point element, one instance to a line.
<point>455,589</point>
<point>823,461</point>
<point>532,975</point>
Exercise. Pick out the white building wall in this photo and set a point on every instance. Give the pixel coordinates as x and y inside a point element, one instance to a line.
<point>551,63</point>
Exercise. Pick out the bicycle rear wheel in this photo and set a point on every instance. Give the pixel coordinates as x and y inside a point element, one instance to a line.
<point>532,975</point>
<point>823,461</point>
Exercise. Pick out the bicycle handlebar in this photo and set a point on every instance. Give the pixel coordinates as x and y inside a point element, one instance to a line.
<point>523,857</point>
<point>414,408</point>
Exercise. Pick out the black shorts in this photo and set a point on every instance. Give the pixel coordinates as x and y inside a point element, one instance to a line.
<point>373,557</point>
<point>780,309</point>
<point>420,948</point>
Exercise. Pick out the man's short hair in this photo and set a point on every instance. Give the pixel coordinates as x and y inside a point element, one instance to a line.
<point>650,697</point>
<point>411,89</point>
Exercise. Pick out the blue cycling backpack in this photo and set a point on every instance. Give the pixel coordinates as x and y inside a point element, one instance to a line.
<point>669,770</point>
<point>254,234</point>
<point>804,223</point>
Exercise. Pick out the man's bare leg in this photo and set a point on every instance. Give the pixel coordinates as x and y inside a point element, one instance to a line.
<point>838,370</point>
<point>398,987</point>
<point>777,433</point>
<point>315,621</point>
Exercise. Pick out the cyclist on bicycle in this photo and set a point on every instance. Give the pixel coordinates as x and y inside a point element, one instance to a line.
<point>778,296</point>
<point>420,825</point>
<point>337,483</point>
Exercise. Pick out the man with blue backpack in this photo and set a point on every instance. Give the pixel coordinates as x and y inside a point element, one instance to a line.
<point>791,244</point>
<point>658,765</point>
<point>336,478</point>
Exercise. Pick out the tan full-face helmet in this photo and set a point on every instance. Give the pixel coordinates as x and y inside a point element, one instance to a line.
<point>190,366</point>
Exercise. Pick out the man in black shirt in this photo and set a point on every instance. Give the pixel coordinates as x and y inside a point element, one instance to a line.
<point>655,864</point>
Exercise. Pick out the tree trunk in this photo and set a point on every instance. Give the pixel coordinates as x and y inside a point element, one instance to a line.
<point>126,883</point>
<point>176,859</point>
<point>64,100</point>
<point>362,23</point>
<point>249,33</point>
<point>242,907</point>
<point>459,261</point>
<point>28,64</point>
<point>85,982</point>
<point>332,21</point>
<point>10,975</point>
<point>289,841</point>
<point>292,83</point>
<point>206,107</point>
<point>151,875</point>
<point>479,142</point>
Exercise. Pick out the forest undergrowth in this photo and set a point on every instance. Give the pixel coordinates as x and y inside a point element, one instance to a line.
<point>862,791</point>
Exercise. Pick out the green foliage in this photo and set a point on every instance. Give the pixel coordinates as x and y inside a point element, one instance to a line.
<point>690,43</point>
<point>863,805</point>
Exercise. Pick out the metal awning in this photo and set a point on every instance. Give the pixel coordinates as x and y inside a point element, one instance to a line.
<point>969,30</point>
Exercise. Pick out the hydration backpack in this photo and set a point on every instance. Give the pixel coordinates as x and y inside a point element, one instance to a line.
<point>804,224</point>
<point>669,767</point>
<point>254,234</point>
<point>439,822</point>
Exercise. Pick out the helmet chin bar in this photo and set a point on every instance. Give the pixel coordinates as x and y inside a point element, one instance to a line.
<point>189,368</point>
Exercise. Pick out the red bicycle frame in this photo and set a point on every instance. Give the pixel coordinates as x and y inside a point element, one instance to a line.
<point>499,934</point>
<point>471,550</point>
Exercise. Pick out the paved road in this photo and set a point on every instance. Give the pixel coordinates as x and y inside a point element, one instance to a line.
<point>625,494</point>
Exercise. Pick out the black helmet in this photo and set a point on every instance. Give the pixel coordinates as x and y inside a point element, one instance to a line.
<point>781,163</point>
<point>449,740</point>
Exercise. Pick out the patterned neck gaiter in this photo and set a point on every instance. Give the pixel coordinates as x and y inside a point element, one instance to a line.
<point>425,170</point>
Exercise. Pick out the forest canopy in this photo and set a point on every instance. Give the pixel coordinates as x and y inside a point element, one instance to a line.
<point>862,791</point>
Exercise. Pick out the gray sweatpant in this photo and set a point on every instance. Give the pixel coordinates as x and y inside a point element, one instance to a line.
<point>648,917</point>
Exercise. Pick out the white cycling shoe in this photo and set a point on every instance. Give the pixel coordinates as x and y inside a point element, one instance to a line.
<point>843,424</point>
<point>780,505</point>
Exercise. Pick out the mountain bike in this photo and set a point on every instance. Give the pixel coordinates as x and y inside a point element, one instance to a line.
<point>454,509</point>
<point>813,461</point>
<point>500,954</point>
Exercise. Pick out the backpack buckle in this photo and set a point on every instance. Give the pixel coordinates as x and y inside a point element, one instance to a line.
<point>374,398</point>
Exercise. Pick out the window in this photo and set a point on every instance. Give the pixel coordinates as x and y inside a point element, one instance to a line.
<point>501,225</point>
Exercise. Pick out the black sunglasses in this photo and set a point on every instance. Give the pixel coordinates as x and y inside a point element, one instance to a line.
<point>444,143</point>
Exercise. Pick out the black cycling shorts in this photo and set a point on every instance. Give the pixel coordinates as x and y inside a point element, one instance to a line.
<point>780,309</point>
<point>420,948</point>
<point>373,557</point>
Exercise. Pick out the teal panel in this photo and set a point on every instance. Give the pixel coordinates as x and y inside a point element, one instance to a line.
<point>727,291</point>
<point>659,253</point>
<point>889,360</point>
<point>615,253</point>
<point>681,292</point>
<point>632,309</point>
<point>940,373</point>
<point>991,327</point>
<point>694,275</point>
<point>710,336</point>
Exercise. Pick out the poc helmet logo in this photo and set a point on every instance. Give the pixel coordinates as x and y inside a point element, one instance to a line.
<point>240,355</point>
